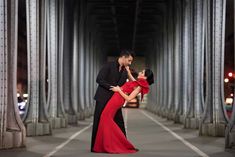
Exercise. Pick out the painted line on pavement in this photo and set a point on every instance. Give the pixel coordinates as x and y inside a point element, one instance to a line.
<point>194,148</point>
<point>56,149</point>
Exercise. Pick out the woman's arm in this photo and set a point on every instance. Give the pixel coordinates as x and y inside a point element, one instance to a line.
<point>129,74</point>
<point>127,97</point>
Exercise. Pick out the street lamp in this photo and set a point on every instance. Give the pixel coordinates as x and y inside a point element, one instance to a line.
<point>226,80</point>
<point>230,74</point>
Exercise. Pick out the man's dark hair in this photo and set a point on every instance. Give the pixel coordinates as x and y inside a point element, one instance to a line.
<point>127,53</point>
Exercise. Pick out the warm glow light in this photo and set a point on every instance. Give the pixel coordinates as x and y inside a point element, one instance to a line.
<point>231,94</point>
<point>25,95</point>
<point>229,100</point>
<point>226,80</point>
<point>230,74</point>
<point>18,95</point>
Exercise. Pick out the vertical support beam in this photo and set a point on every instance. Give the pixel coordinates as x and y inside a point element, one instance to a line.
<point>12,130</point>
<point>152,97</point>
<point>61,110</point>
<point>69,10</point>
<point>87,68</point>
<point>186,47</point>
<point>170,58</point>
<point>214,119</point>
<point>165,64</point>
<point>57,118</point>
<point>177,60</point>
<point>35,118</point>
<point>75,64</point>
<point>193,116</point>
<point>81,61</point>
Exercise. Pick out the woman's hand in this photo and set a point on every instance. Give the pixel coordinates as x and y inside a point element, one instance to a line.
<point>115,89</point>
<point>128,69</point>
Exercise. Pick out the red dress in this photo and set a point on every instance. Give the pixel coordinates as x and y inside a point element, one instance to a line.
<point>110,138</point>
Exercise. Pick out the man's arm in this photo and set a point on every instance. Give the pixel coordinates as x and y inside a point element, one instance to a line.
<point>102,75</point>
<point>128,98</point>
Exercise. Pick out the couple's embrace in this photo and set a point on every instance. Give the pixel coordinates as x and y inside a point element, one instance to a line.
<point>108,134</point>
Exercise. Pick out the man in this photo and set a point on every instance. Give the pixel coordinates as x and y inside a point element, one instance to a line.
<point>111,74</point>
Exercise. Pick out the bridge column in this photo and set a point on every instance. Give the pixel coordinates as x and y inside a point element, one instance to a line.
<point>186,60</point>
<point>214,119</point>
<point>170,43</point>
<point>12,130</point>
<point>88,64</point>
<point>197,59</point>
<point>36,118</point>
<point>81,61</point>
<point>70,35</point>
<point>56,113</point>
<point>177,70</point>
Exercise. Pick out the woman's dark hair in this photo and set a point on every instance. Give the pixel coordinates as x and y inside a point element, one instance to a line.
<point>127,53</point>
<point>149,75</point>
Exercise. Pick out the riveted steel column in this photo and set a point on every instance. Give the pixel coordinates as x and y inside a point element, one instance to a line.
<point>165,65</point>
<point>170,58</point>
<point>197,101</point>
<point>230,128</point>
<point>158,79</point>
<point>57,118</point>
<point>87,61</point>
<point>12,130</point>
<point>36,118</point>
<point>81,61</point>
<point>186,38</point>
<point>69,106</point>
<point>61,85</point>
<point>152,60</point>
<point>92,72</point>
<point>186,50</point>
<point>214,118</point>
<point>75,65</point>
<point>176,61</point>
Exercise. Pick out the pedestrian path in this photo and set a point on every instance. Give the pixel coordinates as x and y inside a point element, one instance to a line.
<point>152,135</point>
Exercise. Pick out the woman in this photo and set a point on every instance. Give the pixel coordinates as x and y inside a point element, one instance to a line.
<point>110,138</point>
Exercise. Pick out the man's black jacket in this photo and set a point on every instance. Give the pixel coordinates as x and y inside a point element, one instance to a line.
<point>108,76</point>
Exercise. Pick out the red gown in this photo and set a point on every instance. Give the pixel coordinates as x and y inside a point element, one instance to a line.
<point>110,138</point>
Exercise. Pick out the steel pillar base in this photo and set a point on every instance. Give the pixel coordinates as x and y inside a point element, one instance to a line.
<point>38,129</point>
<point>182,119</point>
<point>191,123</point>
<point>92,110</point>
<point>87,112</point>
<point>159,112</point>
<point>210,129</point>
<point>72,119</point>
<point>164,114</point>
<point>57,123</point>
<point>13,139</point>
<point>229,137</point>
<point>81,115</point>
<point>171,116</point>
<point>177,119</point>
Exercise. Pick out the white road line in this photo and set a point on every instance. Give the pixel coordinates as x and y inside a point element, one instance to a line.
<point>194,148</point>
<point>56,149</point>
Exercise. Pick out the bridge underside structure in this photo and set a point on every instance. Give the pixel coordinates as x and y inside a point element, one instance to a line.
<point>68,41</point>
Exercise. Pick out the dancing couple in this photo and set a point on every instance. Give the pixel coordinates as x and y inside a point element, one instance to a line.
<point>108,134</point>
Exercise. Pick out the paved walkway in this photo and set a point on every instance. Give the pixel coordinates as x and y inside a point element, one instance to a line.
<point>154,136</point>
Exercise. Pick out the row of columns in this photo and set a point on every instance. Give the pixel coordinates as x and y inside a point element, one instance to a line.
<point>64,57</point>
<point>189,67</point>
